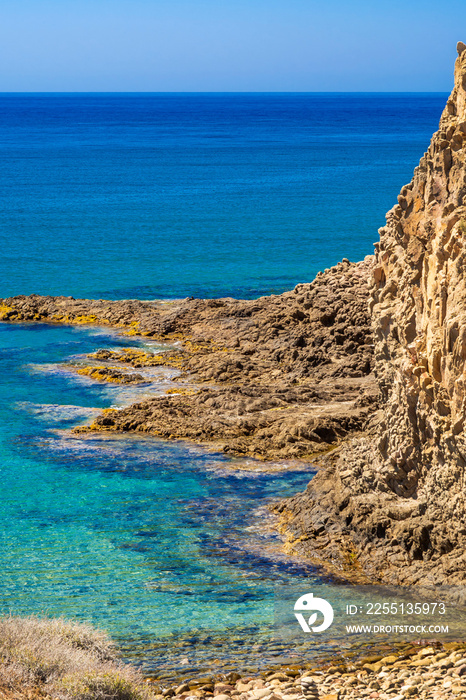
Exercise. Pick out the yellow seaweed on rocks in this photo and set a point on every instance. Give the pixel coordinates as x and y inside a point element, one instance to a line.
<point>101,374</point>
<point>89,320</point>
<point>6,312</point>
<point>166,359</point>
<point>81,320</point>
<point>134,354</point>
<point>94,427</point>
<point>182,392</point>
<point>134,329</point>
<point>137,357</point>
<point>176,362</point>
<point>110,374</point>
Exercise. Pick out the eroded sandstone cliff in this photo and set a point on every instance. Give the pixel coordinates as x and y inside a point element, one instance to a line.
<point>395,503</point>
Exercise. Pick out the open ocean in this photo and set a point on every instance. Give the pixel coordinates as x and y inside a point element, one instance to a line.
<point>166,545</point>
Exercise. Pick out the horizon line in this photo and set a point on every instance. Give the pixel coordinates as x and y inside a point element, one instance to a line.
<point>225,92</point>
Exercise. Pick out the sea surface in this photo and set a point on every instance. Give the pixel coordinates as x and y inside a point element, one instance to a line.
<point>173,195</point>
<point>166,545</point>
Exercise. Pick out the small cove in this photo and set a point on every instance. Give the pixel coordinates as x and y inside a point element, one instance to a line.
<point>168,546</point>
<point>165,544</point>
<point>151,540</point>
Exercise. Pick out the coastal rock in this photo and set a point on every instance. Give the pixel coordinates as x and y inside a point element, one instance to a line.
<point>113,375</point>
<point>309,689</point>
<point>285,376</point>
<point>394,504</point>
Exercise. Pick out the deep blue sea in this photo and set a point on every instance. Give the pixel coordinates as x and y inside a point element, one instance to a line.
<point>167,545</point>
<point>172,195</point>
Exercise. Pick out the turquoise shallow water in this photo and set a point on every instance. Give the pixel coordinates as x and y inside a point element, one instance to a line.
<point>151,540</point>
<point>165,545</point>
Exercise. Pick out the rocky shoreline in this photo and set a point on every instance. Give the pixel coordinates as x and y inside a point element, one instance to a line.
<point>429,672</point>
<point>277,378</point>
<point>50,659</point>
<point>285,376</point>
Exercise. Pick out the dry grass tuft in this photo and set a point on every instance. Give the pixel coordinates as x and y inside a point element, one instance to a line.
<point>65,660</point>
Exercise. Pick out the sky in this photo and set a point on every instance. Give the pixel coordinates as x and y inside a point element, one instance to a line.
<point>229,45</point>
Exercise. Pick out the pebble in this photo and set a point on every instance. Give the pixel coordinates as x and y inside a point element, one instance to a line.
<point>257,694</point>
<point>183,688</point>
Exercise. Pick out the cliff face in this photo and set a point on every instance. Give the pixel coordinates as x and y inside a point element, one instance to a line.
<point>419,319</point>
<point>394,502</point>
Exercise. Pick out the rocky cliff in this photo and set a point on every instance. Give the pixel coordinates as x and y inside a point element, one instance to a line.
<point>394,503</point>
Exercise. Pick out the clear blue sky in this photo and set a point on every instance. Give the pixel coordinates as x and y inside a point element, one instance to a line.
<point>229,45</point>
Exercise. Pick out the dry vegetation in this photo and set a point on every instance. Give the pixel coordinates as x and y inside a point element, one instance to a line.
<point>64,661</point>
